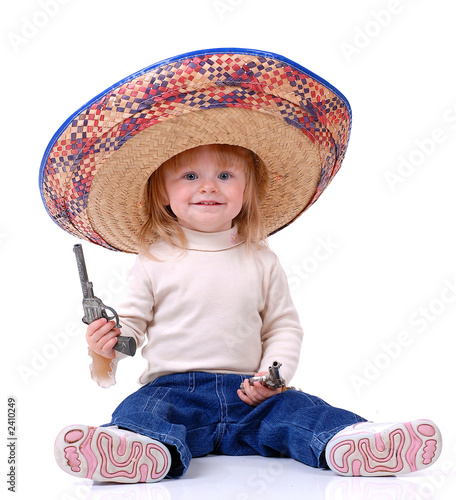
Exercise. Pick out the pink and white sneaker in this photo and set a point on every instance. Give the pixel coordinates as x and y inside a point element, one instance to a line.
<point>369,449</point>
<point>111,454</point>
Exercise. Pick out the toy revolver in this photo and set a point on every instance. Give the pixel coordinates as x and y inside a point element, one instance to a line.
<point>272,380</point>
<point>95,309</point>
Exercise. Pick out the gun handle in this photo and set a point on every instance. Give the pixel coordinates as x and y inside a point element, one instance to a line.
<point>126,345</point>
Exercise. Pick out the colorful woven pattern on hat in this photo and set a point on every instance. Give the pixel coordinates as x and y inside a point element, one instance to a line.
<point>180,86</point>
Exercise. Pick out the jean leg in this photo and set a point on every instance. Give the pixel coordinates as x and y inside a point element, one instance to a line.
<point>292,424</point>
<point>182,411</point>
<point>144,412</point>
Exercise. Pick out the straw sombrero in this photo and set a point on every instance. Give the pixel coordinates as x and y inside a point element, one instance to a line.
<point>95,170</point>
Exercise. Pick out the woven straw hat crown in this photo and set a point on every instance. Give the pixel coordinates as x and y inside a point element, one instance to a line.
<point>95,170</point>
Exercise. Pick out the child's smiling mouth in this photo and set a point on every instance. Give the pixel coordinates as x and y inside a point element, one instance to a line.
<point>207,203</point>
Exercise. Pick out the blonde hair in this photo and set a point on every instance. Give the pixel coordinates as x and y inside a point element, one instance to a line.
<point>162,223</point>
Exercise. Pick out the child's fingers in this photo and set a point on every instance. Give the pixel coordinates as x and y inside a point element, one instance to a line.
<point>245,398</point>
<point>96,325</point>
<point>256,394</point>
<point>265,392</point>
<point>107,337</point>
<point>102,337</point>
<point>106,346</point>
<point>251,395</point>
<point>97,329</point>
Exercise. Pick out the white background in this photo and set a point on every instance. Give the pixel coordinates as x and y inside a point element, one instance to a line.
<point>377,302</point>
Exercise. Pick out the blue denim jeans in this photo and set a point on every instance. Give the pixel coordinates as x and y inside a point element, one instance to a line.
<point>197,413</point>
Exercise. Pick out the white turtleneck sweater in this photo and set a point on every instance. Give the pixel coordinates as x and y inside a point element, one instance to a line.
<point>216,307</point>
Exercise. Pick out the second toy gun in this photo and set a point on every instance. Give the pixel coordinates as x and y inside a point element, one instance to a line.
<point>272,380</point>
<point>95,309</point>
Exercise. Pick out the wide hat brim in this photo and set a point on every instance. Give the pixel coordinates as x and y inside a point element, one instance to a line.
<point>94,173</point>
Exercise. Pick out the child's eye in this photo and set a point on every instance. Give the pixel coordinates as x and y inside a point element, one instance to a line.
<point>224,176</point>
<point>190,177</point>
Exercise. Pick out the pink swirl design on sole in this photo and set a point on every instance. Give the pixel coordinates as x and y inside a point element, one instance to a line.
<point>72,458</point>
<point>154,473</point>
<point>429,451</point>
<point>98,454</point>
<point>369,456</point>
<point>143,469</point>
<point>105,445</point>
<point>345,466</point>
<point>356,467</point>
<point>73,436</point>
<point>403,447</point>
<point>128,466</point>
<point>89,455</point>
<point>415,445</point>
<point>426,430</point>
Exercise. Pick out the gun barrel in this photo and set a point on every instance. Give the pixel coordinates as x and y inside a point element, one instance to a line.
<point>82,270</point>
<point>274,370</point>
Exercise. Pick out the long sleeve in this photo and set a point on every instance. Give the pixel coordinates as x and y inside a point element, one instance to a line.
<point>281,333</point>
<point>134,314</point>
<point>137,310</point>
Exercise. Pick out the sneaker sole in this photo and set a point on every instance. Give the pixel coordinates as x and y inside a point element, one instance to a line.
<point>102,455</point>
<point>399,449</point>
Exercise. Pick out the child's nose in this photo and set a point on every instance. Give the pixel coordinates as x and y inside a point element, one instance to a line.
<point>208,186</point>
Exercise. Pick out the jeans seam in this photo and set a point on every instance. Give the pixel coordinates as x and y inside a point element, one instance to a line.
<point>157,399</point>
<point>191,382</point>
<point>221,426</point>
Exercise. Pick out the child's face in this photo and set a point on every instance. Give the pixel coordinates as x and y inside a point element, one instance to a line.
<point>203,195</point>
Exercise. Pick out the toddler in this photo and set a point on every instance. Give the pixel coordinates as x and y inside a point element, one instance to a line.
<point>213,302</point>
<point>191,163</point>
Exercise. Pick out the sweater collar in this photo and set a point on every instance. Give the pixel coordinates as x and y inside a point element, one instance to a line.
<point>212,242</point>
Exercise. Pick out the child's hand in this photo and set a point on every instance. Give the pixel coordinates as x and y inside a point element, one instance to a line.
<point>102,337</point>
<point>257,393</point>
